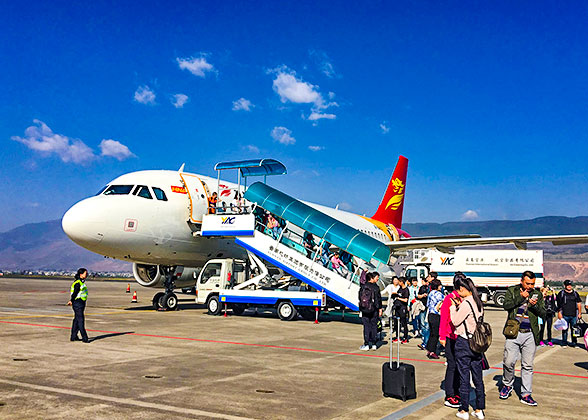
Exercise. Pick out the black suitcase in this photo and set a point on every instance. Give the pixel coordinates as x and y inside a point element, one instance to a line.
<point>398,379</point>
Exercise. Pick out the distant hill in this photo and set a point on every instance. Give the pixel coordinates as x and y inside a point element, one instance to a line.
<point>44,246</point>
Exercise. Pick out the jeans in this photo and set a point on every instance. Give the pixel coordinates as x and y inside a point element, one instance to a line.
<point>78,322</point>
<point>434,321</point>
<point>468,363</point>
<point>523,347</point>
<point>571,320</point>
<point>424,327</point>
<point>451,373</point>
<point>370,327</point>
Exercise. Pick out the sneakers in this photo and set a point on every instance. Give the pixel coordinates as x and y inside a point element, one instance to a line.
<point>478,414</point>
<point>395,340</point>
<point>463,415</point>
<point>527,399</point>
<point>364,347</point>
<point>542,344</point>
<point>404,342</point>
<point>505,392</point>
<point>420,346</point>
<point>550,344</point>
<point>374,347</point>
<point>432,355</point>
<point>452,402</point>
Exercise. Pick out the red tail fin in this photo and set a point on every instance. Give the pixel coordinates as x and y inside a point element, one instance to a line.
<point>390,209</point>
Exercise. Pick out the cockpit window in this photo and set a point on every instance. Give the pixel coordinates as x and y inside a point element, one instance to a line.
<point>102,190</point>
<point>159,193</point>
<point>143,191</point>
<point>118,190</point>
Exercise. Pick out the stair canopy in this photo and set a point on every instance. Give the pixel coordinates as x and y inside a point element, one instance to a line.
<point>319,224</point>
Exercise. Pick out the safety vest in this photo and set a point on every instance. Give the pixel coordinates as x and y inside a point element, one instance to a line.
<point>83,293</point>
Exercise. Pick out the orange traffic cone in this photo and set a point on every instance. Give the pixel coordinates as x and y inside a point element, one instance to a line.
<point>134,299</point>
<point>128,288</point>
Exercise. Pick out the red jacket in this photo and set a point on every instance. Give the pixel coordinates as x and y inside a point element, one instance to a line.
<point>446,328</point>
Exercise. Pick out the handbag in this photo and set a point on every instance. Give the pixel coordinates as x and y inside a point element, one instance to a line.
<point>511,328</point>
<point>579,329</point>
<point>485,363</point>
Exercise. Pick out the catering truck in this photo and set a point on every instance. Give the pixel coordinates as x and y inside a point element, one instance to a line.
<point>492,271</point>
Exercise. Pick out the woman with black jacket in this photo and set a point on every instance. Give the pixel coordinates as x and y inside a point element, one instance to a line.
<point>550,309</point>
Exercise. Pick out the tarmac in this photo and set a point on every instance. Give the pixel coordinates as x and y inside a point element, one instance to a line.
<point>186,364</point>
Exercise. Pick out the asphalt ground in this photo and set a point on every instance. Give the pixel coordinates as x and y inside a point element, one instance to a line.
<point>143,364</point>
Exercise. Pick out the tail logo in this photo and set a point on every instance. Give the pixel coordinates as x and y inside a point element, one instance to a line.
<point>396,200</point>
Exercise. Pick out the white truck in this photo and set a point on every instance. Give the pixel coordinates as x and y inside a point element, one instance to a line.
<point>232,284</point>
<point>492,271</point>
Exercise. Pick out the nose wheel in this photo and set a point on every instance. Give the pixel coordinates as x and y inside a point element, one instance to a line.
<point>166,301</point>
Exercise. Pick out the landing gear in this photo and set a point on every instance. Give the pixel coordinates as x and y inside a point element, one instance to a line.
<point>213,305</point>
<point>166,301</point>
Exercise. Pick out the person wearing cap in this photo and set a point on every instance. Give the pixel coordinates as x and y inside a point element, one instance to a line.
<point>79,295</point>
<point>570,309</point>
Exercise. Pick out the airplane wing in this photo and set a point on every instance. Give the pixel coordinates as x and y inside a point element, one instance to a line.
<point>447,244</point>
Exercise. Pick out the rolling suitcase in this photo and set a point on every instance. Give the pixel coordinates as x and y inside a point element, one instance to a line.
<point>398,379</point>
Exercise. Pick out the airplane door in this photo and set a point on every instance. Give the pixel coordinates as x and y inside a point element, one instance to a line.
<point>210,280</point>
<point>198,196</point>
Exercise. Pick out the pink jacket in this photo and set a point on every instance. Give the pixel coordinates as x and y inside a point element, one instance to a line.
<point>446,328</point>
<point>463,315</point>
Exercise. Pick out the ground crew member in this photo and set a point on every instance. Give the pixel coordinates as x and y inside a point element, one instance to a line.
<point>212,201</point>
<point>79,294</point>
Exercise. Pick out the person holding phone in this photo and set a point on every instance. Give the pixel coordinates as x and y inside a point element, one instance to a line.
<point>525,305</point>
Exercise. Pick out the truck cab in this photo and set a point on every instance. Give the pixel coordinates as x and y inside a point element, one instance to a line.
<point>216,275</point>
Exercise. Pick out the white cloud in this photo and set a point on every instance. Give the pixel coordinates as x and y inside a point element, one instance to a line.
<point>115,149</point>
<point>470,215</point>
<point>283,135</point>
<point>324,63</point>
<point>385,129</point>
<point>198,66</point>
<point>242,104</point>
<point>315,116</point>
<point>144,95</point>
<point>344,206</point>
<point>41,138</point>
<point>252,148</point>
<point>179,100</point>
<point>316,148</point>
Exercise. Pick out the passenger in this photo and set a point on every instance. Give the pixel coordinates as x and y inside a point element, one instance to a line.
<point>392,291</point>
<point>325,253</point>
<point>525,305</point>
<point>413,290</point>
<point>347,260</point>
<point>223,208</point>
<point>370,305</point>
<point>422,296</point>
<point>338,265</point>
<point>212,201</point>
<point>550,310</point>
<point>468,362</point>
<point>447,339</point>
<point>309,244</point>
<point>434,301</point>
<point>401,311</point>
<point>273,226</point>
<point>79,295</point>
<point>570,309</point>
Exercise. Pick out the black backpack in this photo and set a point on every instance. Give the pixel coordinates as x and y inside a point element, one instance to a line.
<point>367,299</point>
<point>481,339</point>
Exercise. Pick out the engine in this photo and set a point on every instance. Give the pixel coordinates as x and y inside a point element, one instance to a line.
<point>151,275</point>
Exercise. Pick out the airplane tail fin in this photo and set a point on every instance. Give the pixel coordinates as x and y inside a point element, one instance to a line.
<point>390,209</point>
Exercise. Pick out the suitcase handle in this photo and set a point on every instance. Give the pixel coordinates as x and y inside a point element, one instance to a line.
<point>398,344</point>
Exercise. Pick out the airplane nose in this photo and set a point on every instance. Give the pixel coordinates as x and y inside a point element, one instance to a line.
<point>81,224</point>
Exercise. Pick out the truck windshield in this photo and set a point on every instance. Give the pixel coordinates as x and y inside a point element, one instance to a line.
<point>211,270</point>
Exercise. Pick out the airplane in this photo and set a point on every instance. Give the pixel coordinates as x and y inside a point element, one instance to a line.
<point>152,218</point>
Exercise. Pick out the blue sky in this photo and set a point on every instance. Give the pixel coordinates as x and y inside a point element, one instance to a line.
<point>488,101</point>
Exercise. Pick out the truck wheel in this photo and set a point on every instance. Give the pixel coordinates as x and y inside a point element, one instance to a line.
<point>169,301</point>
<point>238,309</point>
<point>499,298</point>
<point>213,305</point>
<point>155,300</point>
<point>286,311</point>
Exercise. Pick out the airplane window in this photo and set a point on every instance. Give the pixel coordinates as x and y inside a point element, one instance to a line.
<point>102,190</point>
<point>144,192</point>
<point>118,190</point>
<point>159,193</point>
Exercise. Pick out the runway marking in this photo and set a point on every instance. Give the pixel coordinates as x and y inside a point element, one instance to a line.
<point>59,316</point>
<point>273,346</point>
<point>126,401</point>
<point>165,392</point>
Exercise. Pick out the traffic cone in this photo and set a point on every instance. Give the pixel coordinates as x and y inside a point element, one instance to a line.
<point>134,299</point>
<point>128,288</point>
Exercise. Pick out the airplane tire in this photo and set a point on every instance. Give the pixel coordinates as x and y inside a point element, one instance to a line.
<point>213,305</point>
<point>169,301</point>
<point>287,311</point>
<point>155,300</point>
<point>238,309</point>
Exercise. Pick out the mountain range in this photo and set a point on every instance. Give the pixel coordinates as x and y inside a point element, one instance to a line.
<point>44,246</point>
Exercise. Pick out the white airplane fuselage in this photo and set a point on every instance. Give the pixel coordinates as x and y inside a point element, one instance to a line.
<point>143,230</point>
